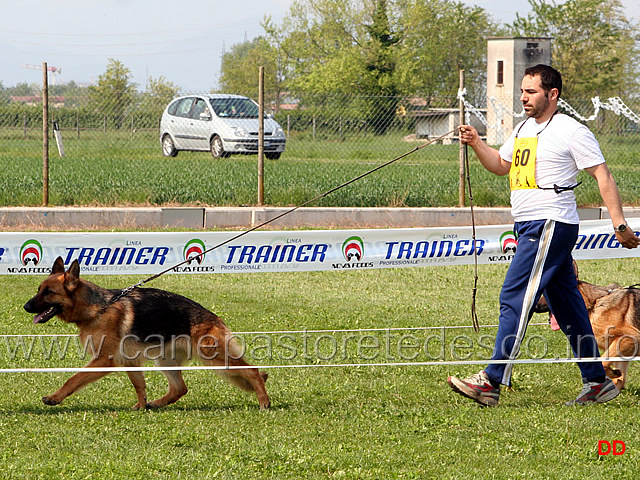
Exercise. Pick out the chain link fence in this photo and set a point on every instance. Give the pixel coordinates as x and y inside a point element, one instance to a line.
<point>338,129</point>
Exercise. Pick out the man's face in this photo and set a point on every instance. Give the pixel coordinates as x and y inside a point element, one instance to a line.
<point>534,99</point>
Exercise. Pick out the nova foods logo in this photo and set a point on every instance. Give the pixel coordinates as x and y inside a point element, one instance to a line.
<point>353,253</point>
<point>194,250</point>
<point>508,247</point>
<point>31,252</point>
<point>353,248</point>
<point>508,242</point>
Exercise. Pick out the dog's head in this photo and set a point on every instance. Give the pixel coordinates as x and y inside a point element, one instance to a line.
<point>54,293</point>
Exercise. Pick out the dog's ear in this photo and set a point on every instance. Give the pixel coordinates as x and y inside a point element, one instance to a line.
<point>72,276</point>
<point>58,266</point>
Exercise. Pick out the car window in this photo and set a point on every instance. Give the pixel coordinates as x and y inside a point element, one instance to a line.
<point>199,107</point>
<point>234,107</point>
<point>184,107</point>
<point>172,108</point>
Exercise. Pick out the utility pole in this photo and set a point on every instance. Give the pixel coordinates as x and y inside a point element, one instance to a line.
<point>45,136</point>
<point>461,189</point>
<point>261,136</point>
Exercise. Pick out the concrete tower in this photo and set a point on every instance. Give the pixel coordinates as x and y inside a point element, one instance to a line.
<point>507,59</point>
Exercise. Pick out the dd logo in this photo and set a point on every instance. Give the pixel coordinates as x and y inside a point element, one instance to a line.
<point>617,447</point>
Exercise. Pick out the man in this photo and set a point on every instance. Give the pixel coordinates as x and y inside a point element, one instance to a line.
<point>542,157</point>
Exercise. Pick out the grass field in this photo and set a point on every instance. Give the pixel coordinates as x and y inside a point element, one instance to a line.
<point>355,422</point>
<point>125,169</point>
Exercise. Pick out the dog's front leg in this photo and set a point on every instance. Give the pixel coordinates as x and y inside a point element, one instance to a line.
<point>137,379</point>
<point>78,381</point>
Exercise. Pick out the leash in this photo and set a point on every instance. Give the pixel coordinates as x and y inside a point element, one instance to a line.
<point>474,313</point>
<point>124,292</point>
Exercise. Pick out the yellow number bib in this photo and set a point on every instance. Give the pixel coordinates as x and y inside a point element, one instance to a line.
<point>522,174</point>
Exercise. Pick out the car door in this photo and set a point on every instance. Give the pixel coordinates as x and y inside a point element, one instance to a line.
<point>181,124</point>
<point>200,124</point>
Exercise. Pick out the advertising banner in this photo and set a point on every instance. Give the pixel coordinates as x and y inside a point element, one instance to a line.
<point>148,253</point>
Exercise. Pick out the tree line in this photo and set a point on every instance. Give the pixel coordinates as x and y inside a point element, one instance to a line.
<point>106,104</point>
<point>364,55</point>
<point>417,47</point>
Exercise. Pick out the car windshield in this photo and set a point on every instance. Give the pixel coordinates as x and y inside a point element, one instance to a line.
<point>234,107</point>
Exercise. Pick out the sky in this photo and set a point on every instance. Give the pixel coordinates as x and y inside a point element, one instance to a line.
<point>180,41</point>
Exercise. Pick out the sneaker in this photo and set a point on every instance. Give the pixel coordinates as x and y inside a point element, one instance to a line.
<point>594,392</point>
<point>478,388</point>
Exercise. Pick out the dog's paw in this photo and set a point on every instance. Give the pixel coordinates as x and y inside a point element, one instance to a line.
<point>50,400</point>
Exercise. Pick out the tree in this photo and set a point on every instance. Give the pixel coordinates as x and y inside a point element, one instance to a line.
<point>239,70</point>
<point>159,93</point>
<point>323,43</point>
<point>74,95</point>
<point>114,92</point>
<point>374,46</point>
<point>4,96</point>
<point>443,37</point>
<point>23,89</point>
<point>594,46</point>
<point>380,65</point>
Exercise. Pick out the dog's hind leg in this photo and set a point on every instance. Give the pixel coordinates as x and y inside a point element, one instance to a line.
<point>617,371</point>
<point>137,379</point>
<point>625,346</point>
<point>177,387</point>
<point>247,379</point>
<point>219,348</point>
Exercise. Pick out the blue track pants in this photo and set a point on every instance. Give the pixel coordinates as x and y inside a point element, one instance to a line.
<point>543,264</point>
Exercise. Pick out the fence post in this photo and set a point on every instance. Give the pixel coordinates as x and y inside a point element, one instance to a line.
<point>24,127</point>
<point>45,136</point>
<point>461,189</point>
<point>261,136</point>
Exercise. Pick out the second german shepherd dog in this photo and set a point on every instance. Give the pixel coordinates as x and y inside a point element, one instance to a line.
<point>614,313</point>
<point>146,318</point>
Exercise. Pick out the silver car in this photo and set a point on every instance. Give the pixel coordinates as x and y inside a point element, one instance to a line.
<point>222,124</point>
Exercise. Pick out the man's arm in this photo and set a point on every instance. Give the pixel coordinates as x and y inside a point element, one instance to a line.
<point>489,157</point>
<point>611,198</point>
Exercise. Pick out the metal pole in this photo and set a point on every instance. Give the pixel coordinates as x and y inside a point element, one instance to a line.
<point>45,136</point>
<point>261,136</point>
<point>461,190</point>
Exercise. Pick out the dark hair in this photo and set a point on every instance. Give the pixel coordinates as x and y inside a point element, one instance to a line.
<point>549,77</point>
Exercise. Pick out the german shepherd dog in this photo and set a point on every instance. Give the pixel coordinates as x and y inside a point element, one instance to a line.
<point>145,320</point>
<point>614,313</point>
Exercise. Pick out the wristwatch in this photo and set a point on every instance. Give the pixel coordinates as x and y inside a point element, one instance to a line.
<point>621,228</point>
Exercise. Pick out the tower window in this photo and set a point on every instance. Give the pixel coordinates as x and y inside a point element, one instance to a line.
<point>500,73</point>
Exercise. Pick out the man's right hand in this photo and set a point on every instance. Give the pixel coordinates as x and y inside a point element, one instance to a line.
<point>468,135</point>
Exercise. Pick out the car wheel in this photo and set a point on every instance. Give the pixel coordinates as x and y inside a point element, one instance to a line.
<point>273,155</point>
<point>217,150</point>
<point>168,147</point>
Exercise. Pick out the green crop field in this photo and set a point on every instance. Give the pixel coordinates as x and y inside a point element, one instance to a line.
<point>358,404</point>
<point>116,169</point>
<point>346,422</point>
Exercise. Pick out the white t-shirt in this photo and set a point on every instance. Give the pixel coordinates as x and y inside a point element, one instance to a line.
<point>564,148</point>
